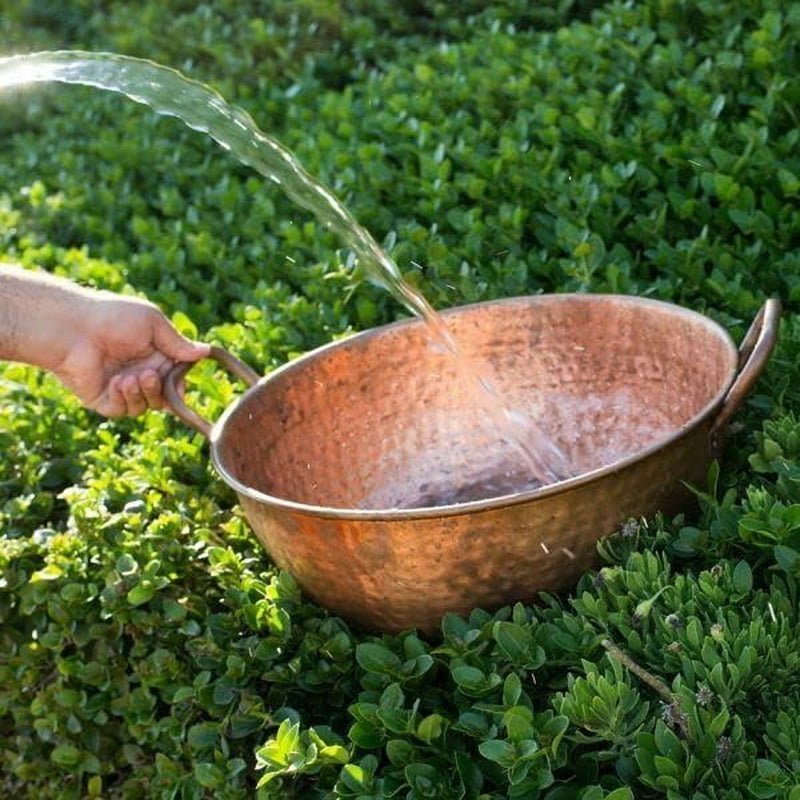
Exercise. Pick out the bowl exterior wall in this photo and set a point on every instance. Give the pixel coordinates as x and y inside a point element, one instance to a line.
<point>392,575</point>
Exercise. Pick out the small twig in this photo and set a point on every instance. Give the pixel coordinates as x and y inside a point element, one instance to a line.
<point>45,680</point>
<point>656,684</point>
<point>640,672</point>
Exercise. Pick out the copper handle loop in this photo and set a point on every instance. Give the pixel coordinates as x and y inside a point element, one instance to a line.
<point>754,352</point>
<point>175,401</point>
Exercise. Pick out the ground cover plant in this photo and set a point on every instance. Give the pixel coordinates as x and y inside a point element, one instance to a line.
<point>148,648</point>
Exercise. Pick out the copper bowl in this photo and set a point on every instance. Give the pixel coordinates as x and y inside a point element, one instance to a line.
<point>331,454</point>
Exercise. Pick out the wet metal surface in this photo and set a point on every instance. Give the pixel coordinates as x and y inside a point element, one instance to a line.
<point>332,455</point>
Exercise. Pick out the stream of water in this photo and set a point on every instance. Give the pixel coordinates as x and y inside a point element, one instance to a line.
<point>202,108</point>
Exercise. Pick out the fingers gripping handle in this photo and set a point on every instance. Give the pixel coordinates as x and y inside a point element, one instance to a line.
<point>173,378</point>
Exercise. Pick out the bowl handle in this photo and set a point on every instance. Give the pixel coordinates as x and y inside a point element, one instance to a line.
<point>754,352</point>
<point>175,401</point>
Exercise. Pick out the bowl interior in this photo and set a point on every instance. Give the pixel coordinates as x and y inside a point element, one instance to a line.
<point>386,420</point>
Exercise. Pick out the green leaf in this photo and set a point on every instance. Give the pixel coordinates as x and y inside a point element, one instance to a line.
<point>69,698</point>
<point>400,752</point>
<point>243,725</point>
<point>378,659</point>
<point>471,677</point>
<point>354,777</point>
<point>499,751</point>
<point>126,565</point>
<point>140,594</point>
<point>173,612</point>
<point>787,557</point>
<point>517,774</point>
<point>666,766</point>
<point>512,689</point>
<point>518,722</point>
<point>516,643</point>
<point>209,775</point>
<point>203,735</point>
<point>423,73</point>
<point>454,627</point>
<point>694,633</point>
<point>395,720</point>
<point>622,793</point>
<point>761,789</point>
<point>365,736</point>
<point>768,769</point>
<point>392,697</point>
<point>66,756</point>
<point>742,577</point>
<point>418,666</point>
<point>473,682</point>
<point>668,743</point>
<point>184,325</point>
<point>51,572</point>
<point>469,774</point>
<point>717,726</point>
<point>430,728</point>
<point>334,754</point>
<point>587,117</point>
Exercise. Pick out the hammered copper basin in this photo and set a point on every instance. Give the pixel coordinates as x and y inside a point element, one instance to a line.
<point>330,454</point>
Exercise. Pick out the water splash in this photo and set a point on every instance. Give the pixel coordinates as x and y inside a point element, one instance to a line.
<point>169,93</point>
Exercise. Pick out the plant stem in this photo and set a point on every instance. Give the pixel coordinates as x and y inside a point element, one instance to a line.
<point>653,682</point>
<point>640,672</point>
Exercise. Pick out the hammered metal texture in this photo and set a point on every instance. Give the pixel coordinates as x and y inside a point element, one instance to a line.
<point>377,420</point>
<point>391,575</point>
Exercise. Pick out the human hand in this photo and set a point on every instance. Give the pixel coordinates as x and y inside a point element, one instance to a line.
<point>119,353</point>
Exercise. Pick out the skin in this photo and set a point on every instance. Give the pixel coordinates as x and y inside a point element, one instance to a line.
<point>112,352</point>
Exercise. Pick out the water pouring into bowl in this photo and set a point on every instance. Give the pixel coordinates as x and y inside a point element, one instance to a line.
<point>536,459</point>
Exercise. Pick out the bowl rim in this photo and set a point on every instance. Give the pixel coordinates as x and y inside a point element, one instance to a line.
<point>486,504</point>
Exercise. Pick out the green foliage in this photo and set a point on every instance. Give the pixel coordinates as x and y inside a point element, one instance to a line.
<point>148,648</point>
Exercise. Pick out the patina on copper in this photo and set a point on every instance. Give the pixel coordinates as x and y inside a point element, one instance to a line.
<point>322,451</point>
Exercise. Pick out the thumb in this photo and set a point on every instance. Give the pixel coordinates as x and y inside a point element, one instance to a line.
<point>173,345</point>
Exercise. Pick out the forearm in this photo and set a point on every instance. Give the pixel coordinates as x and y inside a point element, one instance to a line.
<point>38,316</point>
